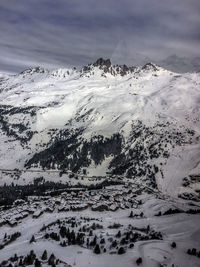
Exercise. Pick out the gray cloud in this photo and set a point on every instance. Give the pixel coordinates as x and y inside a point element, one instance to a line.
<point>62,33</point>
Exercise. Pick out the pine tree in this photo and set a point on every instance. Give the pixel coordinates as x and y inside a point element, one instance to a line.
<point>194,251</point>
<point>93,242</point>
<point>44,255</point>
<point>63,244</point>
<point>139,261</point>
<point>21,262</point>
<point>118,235</point>
<point>63,231</point>
<point>102,241</point>
<point>51,259</point>
<point>97,249</point>
<point>15,257</point>
<point>173,245</point>
<point>114,243</point>
<point>131,214</point>
<point>29,259</point>
<point>37,263</point>
<point>131,245</point>
<point>90,233</point>
<point>32,239</point>
<point>121,251</point>
<point>127,236</point>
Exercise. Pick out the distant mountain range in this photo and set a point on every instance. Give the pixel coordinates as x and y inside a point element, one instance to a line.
<point>173,63</point>
<point>181,64</point>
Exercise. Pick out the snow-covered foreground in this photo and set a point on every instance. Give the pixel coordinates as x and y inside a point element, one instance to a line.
<point>181,228</point>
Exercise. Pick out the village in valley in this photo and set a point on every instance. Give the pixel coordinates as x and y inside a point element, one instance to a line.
<point>115,219</point>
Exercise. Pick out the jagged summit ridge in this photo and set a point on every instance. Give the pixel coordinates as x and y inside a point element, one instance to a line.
<point>104,65</point>
<point>150,66</point>
<point>108,68</point>
<point>33,70</point>
<point>102,62</point>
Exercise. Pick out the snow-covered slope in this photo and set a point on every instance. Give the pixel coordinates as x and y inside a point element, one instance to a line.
<point>137,122</point>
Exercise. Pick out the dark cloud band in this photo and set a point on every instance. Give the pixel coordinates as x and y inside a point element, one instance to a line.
<point>62,33</point>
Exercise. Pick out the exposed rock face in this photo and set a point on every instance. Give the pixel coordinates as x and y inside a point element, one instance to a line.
<point>150,66</point>
<point>103,62</point>
<point>106,66</point>
<point>33,70</point>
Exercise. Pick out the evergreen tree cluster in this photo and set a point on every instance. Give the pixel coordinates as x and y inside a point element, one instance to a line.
<point>194,252</point>
<point>9,239</point>
<point>31,259</point>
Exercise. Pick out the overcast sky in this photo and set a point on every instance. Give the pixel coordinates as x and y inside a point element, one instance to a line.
<point>62,33</point>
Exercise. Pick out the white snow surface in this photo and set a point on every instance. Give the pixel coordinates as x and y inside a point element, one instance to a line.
<point>111,100</point>
<point>109,103</point>
<point>180,228</point>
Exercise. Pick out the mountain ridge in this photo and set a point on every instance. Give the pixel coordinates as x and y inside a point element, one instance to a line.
<point>102,120</point>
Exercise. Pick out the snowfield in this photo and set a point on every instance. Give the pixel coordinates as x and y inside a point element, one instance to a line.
<point>102,100</point>
<point>100,166</point>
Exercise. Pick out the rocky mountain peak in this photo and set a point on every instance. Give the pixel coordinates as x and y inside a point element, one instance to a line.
<point>103,62</point>
<point>150,66</point>
<point>33,70</point>
<point>106,66</point>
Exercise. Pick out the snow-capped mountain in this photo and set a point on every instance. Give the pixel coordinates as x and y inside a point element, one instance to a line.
<point>138,122</point>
